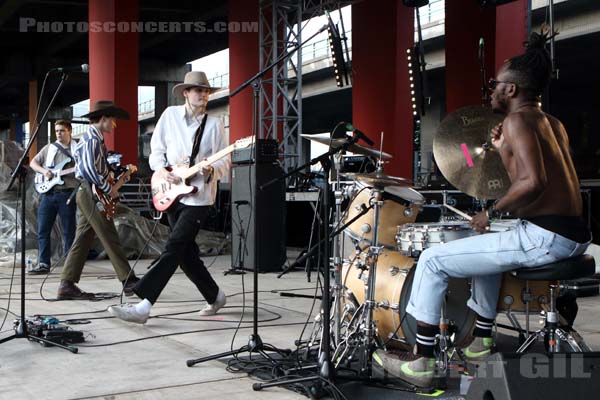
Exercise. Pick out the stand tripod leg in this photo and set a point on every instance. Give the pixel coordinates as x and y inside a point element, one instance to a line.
<point>21,331</point>
<point>255,345</point>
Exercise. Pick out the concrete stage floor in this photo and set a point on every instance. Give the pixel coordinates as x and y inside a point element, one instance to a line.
<point>127,361</point>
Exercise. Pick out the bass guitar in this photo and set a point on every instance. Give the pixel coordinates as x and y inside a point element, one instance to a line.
<point>43,184</point>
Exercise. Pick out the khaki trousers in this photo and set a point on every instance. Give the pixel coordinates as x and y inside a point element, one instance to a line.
<point>89,222</point>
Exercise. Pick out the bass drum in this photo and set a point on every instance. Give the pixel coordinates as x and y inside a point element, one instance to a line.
<point>395,273</point>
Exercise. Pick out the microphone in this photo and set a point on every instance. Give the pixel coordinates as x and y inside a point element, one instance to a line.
<point>85,68</point>
<point>481,49</point>
<point>360,134</point>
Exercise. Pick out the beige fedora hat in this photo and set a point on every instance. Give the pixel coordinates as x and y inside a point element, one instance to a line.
<point>193,79</point>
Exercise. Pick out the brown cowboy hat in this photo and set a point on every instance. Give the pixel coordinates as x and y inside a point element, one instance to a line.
<point>193,79</point>
<point>106,108</point>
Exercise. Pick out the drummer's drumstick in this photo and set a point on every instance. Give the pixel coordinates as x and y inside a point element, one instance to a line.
<point>456,210</point>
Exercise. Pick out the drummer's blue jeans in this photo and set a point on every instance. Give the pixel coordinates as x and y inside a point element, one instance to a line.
<point>483,258</point>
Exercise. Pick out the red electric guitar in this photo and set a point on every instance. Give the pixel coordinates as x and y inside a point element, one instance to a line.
<point>164,193</point>
<point>110,205</point>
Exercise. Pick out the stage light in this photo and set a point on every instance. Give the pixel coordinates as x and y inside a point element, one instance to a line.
<point>337,54</point>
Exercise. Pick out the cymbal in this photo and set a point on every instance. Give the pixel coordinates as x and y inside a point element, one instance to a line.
<point>324,138</point>
<point>464,154</point>
<point>379,179</point>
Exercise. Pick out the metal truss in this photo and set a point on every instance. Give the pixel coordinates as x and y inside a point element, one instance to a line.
<point>280,107</point>
<point>281,92</point>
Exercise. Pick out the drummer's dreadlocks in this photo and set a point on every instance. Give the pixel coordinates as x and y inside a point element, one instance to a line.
<point>532,70</point>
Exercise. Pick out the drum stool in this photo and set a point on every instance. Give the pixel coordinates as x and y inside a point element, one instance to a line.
<point>570,268</point>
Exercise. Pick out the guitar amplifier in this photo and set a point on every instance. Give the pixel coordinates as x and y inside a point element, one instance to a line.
<point>265,151</point>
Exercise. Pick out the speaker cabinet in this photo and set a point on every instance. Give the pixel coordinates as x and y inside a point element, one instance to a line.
<point>265,211</point>
<point>512,376</point>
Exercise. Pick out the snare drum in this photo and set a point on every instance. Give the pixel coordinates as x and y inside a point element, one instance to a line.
<point>399,207</point>
<point>412,239</point>
<point>393,285</point>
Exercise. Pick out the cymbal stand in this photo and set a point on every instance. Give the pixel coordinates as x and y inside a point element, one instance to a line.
<point>337,252</point>
<point>370,304</point>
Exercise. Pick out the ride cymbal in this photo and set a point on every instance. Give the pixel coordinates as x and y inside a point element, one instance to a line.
<point>464,154</point>
<point>379,179</point>
<point>324,138</point>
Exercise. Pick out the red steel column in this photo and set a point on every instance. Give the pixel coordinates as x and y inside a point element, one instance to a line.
<point>113,59</point>
<point>511,30</point>
<point>382,30</point>
<point>466,23</point>
<point>243,64</point>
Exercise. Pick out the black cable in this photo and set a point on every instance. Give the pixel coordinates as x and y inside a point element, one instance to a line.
<point>182,333</point>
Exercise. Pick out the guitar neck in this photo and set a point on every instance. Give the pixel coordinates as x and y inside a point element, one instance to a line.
<point>218,155</point>
<point>67,171</point>
<point>122,180</point>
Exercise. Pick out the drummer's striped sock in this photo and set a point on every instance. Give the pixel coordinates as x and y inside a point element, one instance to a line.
<point>426,339</point>
<point>483,327</point>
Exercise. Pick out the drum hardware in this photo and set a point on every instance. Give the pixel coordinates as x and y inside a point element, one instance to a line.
<point>393,213</point>
<point>394,271</point>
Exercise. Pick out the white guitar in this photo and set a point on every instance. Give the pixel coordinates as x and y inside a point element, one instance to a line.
<point>43,184</point>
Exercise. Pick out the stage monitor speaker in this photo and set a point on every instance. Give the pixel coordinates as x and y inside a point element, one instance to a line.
<point>269,211</point>
<point>512,376</point>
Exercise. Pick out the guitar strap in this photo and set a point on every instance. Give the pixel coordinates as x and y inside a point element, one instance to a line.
<point>63,150</point>
<point>197,140</point>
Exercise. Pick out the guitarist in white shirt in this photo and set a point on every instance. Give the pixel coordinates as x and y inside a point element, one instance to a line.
<point>54,201</point>
<point>172,143</point>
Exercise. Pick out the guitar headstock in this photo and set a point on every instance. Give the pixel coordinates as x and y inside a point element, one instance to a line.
<point>244,142</point>
<point>131,169</point>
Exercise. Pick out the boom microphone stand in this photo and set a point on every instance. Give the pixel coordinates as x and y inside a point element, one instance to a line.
<point>255,343</point>
<point>326,371</point>
<point>20,172</point>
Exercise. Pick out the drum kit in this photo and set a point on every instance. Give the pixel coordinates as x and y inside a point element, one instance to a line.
<point>372,286</point>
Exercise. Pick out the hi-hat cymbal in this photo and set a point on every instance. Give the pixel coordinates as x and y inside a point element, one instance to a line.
<point>325,139</point>
<point>464,154</point>
<point>379,179</point>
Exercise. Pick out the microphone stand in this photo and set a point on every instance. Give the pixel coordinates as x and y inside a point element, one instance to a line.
<point>484,94</point>
<point>326,373</point>
<point>255,343</point>
<point>312,250</point>
<point>20,172</point>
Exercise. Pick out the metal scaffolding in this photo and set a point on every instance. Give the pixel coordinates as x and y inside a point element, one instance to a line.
<point>280,107</point>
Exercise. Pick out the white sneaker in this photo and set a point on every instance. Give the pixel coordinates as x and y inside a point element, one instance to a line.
<point>211,309</point>
<point>128,312</point>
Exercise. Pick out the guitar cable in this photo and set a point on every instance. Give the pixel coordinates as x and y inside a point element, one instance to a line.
<point>131,270</point>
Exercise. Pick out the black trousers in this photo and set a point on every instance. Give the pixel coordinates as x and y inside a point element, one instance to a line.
<point>181,250</point>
